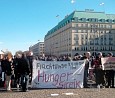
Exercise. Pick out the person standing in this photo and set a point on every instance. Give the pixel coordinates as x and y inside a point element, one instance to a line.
<point>8,73</point>
<point>0,70</point>
<point>87,58</point>
<point>110,74</point>
<point>23,68</point>
<point>30,59</point>
<point>99,72</point>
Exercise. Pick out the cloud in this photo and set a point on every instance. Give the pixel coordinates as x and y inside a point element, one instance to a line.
<point>102,3</point>
<point>1,42</point>
<point>72,1</point>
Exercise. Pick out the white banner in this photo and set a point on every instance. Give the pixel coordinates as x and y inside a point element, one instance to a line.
<point>108,63</point>
<point>58,74</point>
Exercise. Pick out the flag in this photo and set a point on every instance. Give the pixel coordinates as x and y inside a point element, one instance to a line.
<point>101,3</point>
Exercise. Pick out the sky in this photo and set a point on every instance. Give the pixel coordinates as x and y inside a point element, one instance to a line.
<point>26,22</point>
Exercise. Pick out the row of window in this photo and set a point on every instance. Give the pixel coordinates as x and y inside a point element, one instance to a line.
<point>90,31</point>
<point>92,43</point>
<point>93,25</point>
<point>93,48</point>
<point>96,37</point>
<point>76,19</point>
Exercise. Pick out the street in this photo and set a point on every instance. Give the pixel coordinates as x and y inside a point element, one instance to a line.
<point>61,93</point>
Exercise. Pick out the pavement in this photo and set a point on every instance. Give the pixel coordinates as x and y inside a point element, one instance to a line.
<point>60,93</point>
<point>91,92</point>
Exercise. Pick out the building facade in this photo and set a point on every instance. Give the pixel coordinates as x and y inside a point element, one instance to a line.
<point>82,31</point>
<point>37,49</point>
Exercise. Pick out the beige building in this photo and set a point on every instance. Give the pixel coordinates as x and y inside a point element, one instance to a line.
<point>37,49</point>
<point>82,31</point>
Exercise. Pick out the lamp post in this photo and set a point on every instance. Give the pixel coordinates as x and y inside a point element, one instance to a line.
<point>38,47</point>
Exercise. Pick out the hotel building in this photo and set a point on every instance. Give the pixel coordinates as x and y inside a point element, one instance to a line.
<point>82,31</point>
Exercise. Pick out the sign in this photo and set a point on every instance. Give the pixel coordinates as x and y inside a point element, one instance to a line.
<point>108,63</point>
<point>58,74</point>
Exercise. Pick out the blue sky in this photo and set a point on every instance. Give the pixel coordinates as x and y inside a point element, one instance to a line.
<point>24,22</point>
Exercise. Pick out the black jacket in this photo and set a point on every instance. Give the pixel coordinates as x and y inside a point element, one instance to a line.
<point>23,66</point>
<point>6,67</point>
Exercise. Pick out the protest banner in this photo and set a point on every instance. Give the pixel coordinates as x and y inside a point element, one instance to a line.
<point>108,63</point>
<point>58,74</point>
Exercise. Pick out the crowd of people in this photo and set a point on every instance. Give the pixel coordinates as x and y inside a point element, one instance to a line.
<point>12,69</point>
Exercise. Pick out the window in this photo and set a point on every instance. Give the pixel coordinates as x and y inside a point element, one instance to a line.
<point>113,20</point>
<point>76,19</point>
<point>102,20</point>
<point>84,48</point>
<point>82,42</point>
<point>101,43</point>
<point>111,48</point>
<point>75,48</point>
<point>76,37</point>
<point>109,26</point>
<point>82,25</point>
<point>82,36</point>
<point>76,30</point>
<point>83,19</point>
<point>68,21</point>
<point>92,19</point>
<point>101,26</point>
<point>104,26</point>
<point>79,31</point>
<point>76,42</point>
<point>105,48</point>
<point>86,25</point>
<point>109,20</point>
<point>76,25</point>
<point>105,43</point>
<point>72,19</point>
<point>84,31</point>
<point>91,43</point>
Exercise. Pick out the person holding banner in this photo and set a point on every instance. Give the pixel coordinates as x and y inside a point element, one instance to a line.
<point>98,70</point>
<point>30,60</point>
<point>87,57</point>
<point>110,74</point>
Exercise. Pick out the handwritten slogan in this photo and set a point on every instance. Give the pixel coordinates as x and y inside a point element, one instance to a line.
<point>58,74</point>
